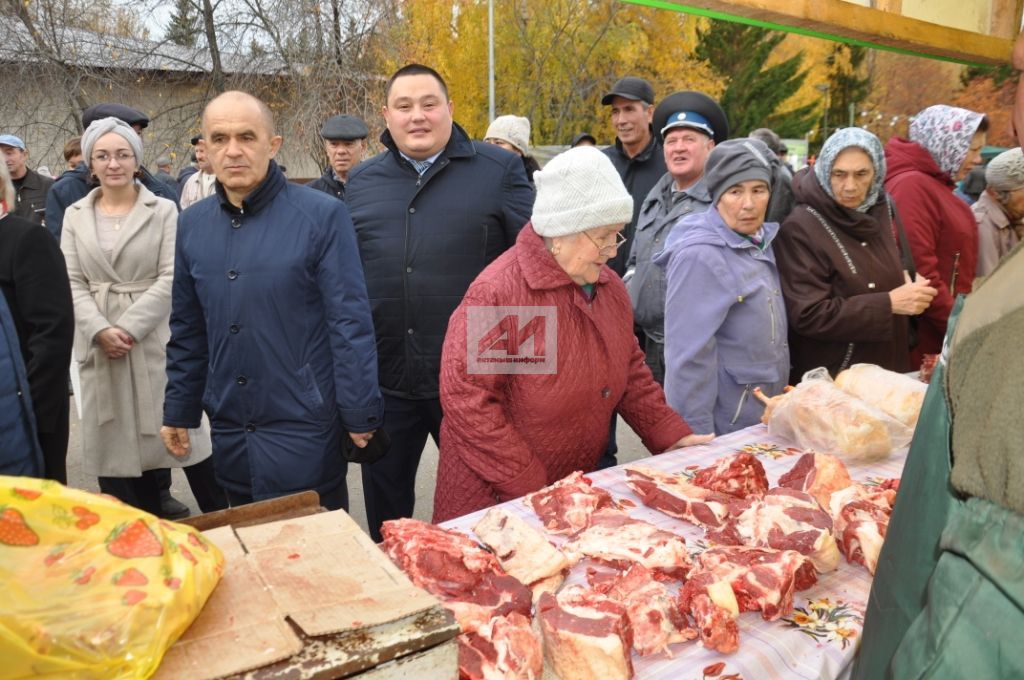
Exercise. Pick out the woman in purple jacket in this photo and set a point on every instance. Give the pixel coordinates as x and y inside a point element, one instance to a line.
<point>725,321</point>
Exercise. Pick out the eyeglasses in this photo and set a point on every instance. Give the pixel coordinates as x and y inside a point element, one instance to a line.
<point>607,249</point>
<point>121,156</point>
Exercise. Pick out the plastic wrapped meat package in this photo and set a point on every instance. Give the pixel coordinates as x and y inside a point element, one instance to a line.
<point>818,416</point>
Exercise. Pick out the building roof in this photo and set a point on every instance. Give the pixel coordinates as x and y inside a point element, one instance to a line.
<point>89,49</point>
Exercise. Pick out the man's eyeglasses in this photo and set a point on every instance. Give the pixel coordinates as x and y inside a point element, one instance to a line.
<point>607,249</point>
<point>121,156</point>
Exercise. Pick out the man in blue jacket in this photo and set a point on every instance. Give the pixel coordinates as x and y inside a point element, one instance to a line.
<point>430,213</point>
<point>271,331</point>
<point>75,184</point>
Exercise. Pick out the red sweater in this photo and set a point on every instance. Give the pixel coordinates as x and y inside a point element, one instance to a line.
<point>941,230</point>
<point>504,436</point>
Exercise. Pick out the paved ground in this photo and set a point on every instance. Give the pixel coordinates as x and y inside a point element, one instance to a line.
<point>630,449</point>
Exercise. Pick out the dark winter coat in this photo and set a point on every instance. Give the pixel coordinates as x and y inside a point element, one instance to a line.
<point>73,185</point>
<point>504,436</point>
<point>31,201</point>
<point>837,267</point>
<point>20,454</point>
<point>329,184</point>
<point>34,282</point>
<point>942,232</point>
<point>424,239</point>
<point>639,173</point>
<point>271,336</point>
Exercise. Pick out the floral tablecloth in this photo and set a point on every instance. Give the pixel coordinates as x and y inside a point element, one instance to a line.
<point>820,637</point>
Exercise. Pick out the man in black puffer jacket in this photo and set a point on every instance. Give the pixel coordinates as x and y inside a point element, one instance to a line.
<point>430,213</point>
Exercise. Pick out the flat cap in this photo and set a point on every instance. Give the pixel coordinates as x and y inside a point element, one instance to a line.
<point>630,87</point>
<point>195,140</point>
<point>701,113</point>
<point>119,111</point>
<point>344,127</point>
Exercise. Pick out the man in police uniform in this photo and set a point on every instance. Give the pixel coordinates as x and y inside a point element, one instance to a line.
<point>345,143</point>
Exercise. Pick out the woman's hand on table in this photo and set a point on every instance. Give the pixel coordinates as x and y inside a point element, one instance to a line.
<point>114,342</point>
<point>692,440</point>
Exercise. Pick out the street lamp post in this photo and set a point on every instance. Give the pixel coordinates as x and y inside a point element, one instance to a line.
<point>490,60</point>
<point>824,88</point>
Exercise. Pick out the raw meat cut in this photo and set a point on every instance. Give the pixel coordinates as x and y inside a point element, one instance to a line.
<point>565,507</point>
<point>616,538</point>
<point>819,474</point>
<point>675,496</point>
<point>505,648</point>
<point>784,519</point>
<point>861,519</point>
<point>467,579</point>
<point>762,579</point>
<point>654,614</point>
<point>712,604</point>
<point>586,635</point>
<point>523,552</point>
<point>740,475</point>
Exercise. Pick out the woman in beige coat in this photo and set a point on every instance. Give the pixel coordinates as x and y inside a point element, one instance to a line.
<point>119,245</point>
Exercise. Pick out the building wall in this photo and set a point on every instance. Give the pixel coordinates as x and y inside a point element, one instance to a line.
<point>35,107</point>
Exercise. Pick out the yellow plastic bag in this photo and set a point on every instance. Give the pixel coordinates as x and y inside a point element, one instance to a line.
<point>91,587</point>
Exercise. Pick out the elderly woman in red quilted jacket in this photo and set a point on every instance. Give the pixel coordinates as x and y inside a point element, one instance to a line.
<point>541,351</point>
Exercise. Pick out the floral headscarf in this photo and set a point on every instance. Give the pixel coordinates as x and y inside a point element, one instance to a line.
<point>946,133</point>
<point>838,142</point>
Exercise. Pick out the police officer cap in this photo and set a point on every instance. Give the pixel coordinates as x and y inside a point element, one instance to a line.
<point>119,111</point>
<point>344,127</point>
<point>708,116</point>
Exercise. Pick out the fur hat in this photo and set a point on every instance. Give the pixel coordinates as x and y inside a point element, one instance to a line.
<point>512,129</point>
<point>579,189</point>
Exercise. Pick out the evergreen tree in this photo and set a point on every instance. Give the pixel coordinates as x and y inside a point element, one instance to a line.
<point>184,26</point>
<point>849,83</point>
<point>755,91</point>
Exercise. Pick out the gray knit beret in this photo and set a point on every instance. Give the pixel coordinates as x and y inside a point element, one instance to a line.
<point>735,161</point>
<point>579,189</point>
<point>1005,172</point>
<point>104,125</point>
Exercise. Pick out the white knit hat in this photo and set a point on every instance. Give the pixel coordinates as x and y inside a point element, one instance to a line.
<point>579,189</point>
<point>512,129</point>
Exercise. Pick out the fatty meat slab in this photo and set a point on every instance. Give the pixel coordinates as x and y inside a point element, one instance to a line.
<point>817,474</point>
<point>739,475</point>
<point>522,550</point>
<point>586,635</point>
<point>565,507</point>
<point>785,519</point>
<point>861,519</point>
<point>467,579</point>
<point>616,538</point>
<point>674,495</point>
<point>505,648</point>
<point>654,613</point>
<point>763,579</point>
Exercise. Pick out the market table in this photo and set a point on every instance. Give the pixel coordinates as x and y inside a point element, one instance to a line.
<point>820,637</point>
